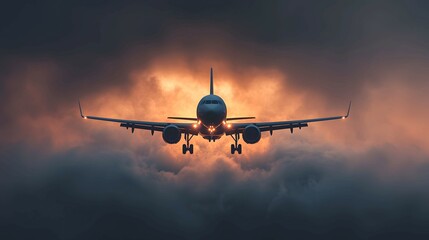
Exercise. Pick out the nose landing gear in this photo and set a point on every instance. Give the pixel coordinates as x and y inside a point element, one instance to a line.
<point>236,146</point>
<point>188,147</point>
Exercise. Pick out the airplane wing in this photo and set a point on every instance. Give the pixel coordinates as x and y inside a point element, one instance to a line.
<point>145,125</point>
<point>291,124</point>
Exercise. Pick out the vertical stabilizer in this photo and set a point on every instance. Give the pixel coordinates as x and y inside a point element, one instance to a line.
<point>211,81</point>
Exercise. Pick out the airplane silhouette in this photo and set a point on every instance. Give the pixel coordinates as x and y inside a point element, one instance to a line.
<point>212,123</point>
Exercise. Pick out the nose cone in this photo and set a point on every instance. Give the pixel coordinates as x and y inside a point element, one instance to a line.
<point>211,110</point>
<point>211,115</point>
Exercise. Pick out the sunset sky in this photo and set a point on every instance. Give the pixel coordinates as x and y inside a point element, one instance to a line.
<point>366,177</point>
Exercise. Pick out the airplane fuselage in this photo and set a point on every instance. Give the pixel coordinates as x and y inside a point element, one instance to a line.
<point>211,114</point>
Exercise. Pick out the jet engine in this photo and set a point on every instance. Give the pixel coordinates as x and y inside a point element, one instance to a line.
<point>251,134</point>
<point>171,134</point>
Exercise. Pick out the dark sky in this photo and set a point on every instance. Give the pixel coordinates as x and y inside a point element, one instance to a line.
<point>65,178</point>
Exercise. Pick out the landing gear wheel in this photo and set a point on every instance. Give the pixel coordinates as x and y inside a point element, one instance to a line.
<point>236,146</point>
<point>188,147</point>
<point>184,149</point>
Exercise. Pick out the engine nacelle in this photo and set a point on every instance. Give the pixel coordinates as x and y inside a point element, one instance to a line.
<point>171,134</point>
<point>251,134</point>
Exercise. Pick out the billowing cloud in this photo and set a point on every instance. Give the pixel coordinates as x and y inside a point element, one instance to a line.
<point>62,177</point>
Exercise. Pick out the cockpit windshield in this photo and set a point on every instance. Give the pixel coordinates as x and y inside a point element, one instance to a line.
<point>211,102</point>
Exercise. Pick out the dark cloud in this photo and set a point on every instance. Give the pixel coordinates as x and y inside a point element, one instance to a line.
<point>96,45</point>
<point>83,195</point>
<point>366,178</point>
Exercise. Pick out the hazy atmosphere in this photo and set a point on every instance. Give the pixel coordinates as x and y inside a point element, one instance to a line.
<point>366,177</point>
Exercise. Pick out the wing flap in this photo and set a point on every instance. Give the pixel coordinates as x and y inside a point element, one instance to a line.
<point>286,126</point>
<point>145,127</point>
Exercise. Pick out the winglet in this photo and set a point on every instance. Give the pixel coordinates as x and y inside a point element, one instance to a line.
<point>348,111</point>
<point>80,109</point>
<point>211,81</point>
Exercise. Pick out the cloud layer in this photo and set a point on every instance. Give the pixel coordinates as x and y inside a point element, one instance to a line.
<point>65,178</point>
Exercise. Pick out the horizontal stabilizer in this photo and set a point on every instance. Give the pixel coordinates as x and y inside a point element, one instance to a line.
<point>184,118</point>
<point>239,118</point>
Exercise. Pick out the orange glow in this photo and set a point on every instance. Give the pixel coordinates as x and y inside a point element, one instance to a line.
<point>152,95</point>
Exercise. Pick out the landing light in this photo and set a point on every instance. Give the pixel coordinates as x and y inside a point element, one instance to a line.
<point>84,117</point>
<point>343,117</point>
<point>211,129</point>
<point>229,125</point>
<point>195,125</point>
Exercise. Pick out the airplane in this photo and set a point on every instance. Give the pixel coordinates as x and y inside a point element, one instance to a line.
<point>212,123</point>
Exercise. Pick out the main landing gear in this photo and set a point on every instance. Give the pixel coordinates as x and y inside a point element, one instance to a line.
<point>188,147</point>
<point>236,146</point>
